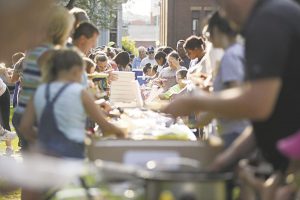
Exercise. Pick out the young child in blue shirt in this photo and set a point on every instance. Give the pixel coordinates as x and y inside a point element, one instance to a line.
<point>60,107</point>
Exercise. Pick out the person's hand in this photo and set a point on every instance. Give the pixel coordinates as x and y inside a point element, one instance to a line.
<point>111,76</point>
<point>106,107</point>
<point>114,130</point>
<point>119,133</point>
<point>285,192</point>
<point>163,82</point>
<point>3,70</point>
<point>265,188</point>
<point>179,107</point>
<point>159,81</point>
<point>246,174</point>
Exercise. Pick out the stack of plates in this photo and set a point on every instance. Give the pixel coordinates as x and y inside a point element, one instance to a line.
<point>124,90</point>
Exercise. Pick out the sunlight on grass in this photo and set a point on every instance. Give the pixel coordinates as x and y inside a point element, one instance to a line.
<point>16,195</point>
<point>12,196</point>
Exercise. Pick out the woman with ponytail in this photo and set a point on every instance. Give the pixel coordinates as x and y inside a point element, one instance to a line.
<point>195,48</point>
<point>167,76</point>
<point>200,71</point>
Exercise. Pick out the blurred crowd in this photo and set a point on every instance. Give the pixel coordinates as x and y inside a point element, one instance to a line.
<point>240,78</point>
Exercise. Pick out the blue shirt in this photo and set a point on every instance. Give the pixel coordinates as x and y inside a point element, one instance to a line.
<point>231,70</point>
<point>136,63</point>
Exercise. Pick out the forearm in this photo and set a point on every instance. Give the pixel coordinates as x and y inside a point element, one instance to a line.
<point>106,127</point>
<point>95,113</point>
<point>27,127</point>
<point>249,101</point>
<point>229,104</point>
<point>243,145</point>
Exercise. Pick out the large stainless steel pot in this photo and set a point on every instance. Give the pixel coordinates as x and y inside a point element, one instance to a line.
<point>185,183</point>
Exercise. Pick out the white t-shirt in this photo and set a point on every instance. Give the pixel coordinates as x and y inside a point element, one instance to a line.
<point>2,87</point>
<point>68,109</point>
<point>147,60</point>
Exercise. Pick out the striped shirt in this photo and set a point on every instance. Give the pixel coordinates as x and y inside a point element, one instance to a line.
<point>32,77</point>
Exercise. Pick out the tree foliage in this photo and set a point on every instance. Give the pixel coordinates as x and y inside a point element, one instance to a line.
<point>129,45</point>
<point>101,12</point>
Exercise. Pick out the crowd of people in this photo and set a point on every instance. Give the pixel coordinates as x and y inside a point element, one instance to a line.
<point>249,92</point>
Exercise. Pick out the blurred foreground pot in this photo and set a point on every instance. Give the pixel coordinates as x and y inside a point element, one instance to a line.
<point>191,186</point>
<point>183,183</point>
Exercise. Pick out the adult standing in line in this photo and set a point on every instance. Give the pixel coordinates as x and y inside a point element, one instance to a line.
<point>150,58</point>
<point>161,59</point>
<point>85,38</point>
<point>230,74</point>
<point>195,48</point>
<point>60,24</point>
<point>185,61</point>
<point>270,97</point>
<point>80,16</point>
<point>167,76</point>
<point>136,63</point>
<point>122,60</point>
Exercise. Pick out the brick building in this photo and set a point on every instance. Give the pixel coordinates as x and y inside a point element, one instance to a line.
<point>182,18</point>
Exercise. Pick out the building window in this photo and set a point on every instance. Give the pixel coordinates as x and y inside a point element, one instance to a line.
<point>195,25</point>
<point>195,22</point>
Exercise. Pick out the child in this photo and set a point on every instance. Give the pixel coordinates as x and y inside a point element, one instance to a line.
<point>90,66</point>
<point>147,70</point>
<point>60,106</point>
<point>180,77</point>
<point>102,63</point>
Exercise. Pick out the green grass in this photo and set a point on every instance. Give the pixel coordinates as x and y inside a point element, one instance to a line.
<point>16,195</point>
<point>12,196</point>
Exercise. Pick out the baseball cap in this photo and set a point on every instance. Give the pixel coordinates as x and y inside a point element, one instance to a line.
<point>150,49</point>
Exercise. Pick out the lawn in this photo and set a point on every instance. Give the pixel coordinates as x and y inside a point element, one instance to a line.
<point>14,195</point>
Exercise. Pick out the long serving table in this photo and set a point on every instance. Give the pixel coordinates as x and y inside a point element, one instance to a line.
<point>163,154</point>
<point>152,136</point>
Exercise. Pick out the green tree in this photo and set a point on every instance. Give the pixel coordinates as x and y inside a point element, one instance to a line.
<point>129,45</point>
<point>101,12</point>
